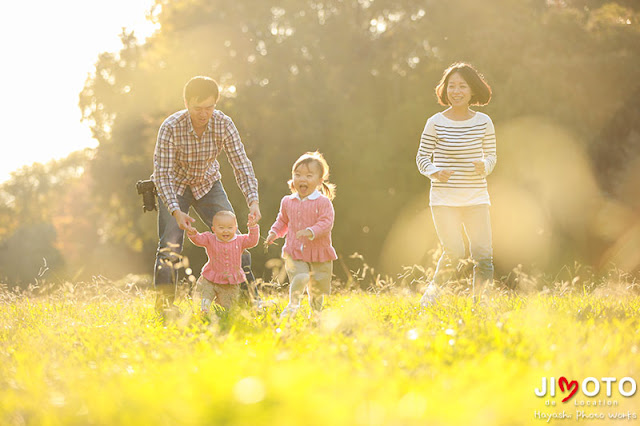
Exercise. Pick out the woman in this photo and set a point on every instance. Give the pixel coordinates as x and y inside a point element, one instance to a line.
<point>457,152</point>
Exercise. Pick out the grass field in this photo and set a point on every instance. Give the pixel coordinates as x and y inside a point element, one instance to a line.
<point>95,353</point>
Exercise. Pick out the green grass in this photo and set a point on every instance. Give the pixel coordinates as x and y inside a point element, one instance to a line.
<point>97,354</point>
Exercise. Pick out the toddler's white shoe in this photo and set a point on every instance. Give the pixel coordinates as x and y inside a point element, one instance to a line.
<point>288,312</point>
<point>205,306</point>
<point>430,296</point>
<point>263,304</point>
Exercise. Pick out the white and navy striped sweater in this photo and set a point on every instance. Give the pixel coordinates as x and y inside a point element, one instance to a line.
<point>454,145</point>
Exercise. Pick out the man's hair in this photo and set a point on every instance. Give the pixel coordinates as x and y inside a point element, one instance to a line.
<point>200,88</point>
<point>480,90</point>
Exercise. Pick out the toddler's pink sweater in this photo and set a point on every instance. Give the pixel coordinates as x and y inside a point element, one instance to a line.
<point>225,258</point>
<point>314,212</point>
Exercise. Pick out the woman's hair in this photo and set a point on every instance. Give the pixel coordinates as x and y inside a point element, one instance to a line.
<point>328,188</point>
<point>200,88</point>
<point>480,90</point>
<point>222,213</point>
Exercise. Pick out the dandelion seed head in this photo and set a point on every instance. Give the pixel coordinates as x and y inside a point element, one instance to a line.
<point>249,390</point>
<point>57,399</point>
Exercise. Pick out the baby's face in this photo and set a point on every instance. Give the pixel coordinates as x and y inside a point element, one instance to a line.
<point>224,227</point>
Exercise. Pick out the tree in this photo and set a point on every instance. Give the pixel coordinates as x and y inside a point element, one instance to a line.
<point>355,80</point>
<point>35,197</point>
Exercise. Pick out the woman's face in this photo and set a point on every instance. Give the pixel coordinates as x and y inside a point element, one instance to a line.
<point>458,91</point>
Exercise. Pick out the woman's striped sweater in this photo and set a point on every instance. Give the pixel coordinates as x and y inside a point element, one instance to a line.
<point>454,145</point>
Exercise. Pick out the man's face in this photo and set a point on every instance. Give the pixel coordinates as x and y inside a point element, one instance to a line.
<point>201,110</point>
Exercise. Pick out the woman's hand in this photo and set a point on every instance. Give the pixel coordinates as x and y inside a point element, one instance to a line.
<point>443,175</point>
<point>479,166</point>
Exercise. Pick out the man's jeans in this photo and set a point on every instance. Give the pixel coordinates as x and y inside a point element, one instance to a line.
<point>171,239</point>
<point>450,224</point>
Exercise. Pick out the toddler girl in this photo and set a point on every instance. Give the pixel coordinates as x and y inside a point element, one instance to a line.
<point>305,220</point>
<point>222,274</point>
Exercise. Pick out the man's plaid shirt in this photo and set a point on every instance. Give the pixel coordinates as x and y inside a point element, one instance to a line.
<point>181,159</point>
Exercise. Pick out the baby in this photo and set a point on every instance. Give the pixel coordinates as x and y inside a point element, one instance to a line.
<point>222,274</point>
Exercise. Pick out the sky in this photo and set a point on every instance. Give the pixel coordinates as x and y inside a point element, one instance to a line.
<point>48,50</point>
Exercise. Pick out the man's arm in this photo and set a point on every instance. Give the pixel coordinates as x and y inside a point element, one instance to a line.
<point>242,167</point>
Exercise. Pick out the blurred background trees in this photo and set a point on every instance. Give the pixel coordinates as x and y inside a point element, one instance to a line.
<point>354,79</point>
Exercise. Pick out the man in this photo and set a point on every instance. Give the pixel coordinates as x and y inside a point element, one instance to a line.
<point>187,173</point>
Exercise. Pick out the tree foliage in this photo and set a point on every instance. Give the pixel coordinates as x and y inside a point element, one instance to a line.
<point>354,79</point>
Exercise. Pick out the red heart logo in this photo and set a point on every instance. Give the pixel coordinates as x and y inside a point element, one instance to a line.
<point>570,385</point>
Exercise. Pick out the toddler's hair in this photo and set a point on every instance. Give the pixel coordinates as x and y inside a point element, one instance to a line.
<point>328,188</point>
<point>224,213</point>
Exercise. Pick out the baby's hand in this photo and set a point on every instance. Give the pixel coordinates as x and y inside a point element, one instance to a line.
<point>251,221</point>
<point>304,233</point>
<point>192,231</point>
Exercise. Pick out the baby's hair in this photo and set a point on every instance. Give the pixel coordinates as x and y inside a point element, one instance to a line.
<point>480,89</point>
<point>227,213</point>
<point>328,188</point>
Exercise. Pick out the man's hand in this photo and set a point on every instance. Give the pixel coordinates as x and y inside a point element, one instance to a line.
<point>443,175</point>
<point>184,221</point>
<point>304,233</point>
<point>254,212</point>
<point>479,166</point>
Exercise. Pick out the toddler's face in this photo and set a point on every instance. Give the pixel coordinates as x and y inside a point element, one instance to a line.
<point>307,178</point>
<point>224,227</point>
